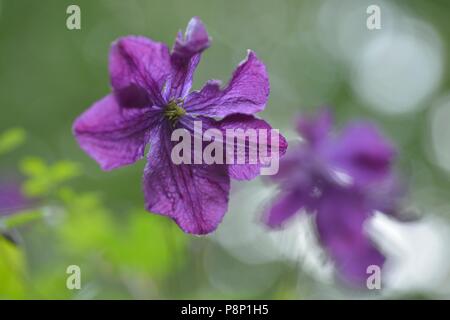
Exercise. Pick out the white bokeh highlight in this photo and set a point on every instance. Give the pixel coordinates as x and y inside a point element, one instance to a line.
<point>439,134</point>
<point>418,259</point>
<point>399,70</point>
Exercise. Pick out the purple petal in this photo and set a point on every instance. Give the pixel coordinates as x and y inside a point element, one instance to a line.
<point>362,153</point>
<point>138,69</point>
<point>12,199</point>
<point>297,168</point>
<point>186,56</point>
<point>111,135</point>
<point>194,196</point>
<point>251,167</point>
<point>340,224</point>
<point>247,92</point>
<point>386,196</point>
<point>315,129</point>
<point>283,208</point>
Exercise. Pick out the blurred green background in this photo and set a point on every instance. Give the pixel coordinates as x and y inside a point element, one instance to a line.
<point>317,53</point>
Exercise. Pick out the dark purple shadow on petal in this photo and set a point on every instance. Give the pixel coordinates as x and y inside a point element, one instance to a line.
<point>139,64</point>
<point>132,96</point>
<point>362,153</point>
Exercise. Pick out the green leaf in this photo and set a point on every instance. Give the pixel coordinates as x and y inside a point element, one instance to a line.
<point>19,219</point>
<point>11,139</point>
<point>33,167</point>
<point>43,179</point>
<point>65,170</point>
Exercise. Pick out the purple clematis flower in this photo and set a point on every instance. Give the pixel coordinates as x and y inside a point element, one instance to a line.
<point>150,99</point>
<point>342,179</point>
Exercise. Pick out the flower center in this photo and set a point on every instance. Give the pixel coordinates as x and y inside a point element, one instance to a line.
<point>173,111</point>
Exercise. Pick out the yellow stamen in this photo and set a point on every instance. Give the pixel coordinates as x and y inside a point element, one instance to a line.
<point>173,111</point>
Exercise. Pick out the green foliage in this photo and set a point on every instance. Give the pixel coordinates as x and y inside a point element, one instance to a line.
<point>148,244</point>
<point>12,269</point>
<point>145,244</point>
<point>11,139</point>
<point>137,249</point>
<point>44,179</point>
<point>19,219</point>
<point>51,284</point>
<point>87,226</point>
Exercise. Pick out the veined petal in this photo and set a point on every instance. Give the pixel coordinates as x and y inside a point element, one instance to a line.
<point>111,135</point>
<point>247,92</point>
<point>195,196</point>
<point>186,56</point>
<point>340,224</point>
<point>139,68</point>
<point>255,138</point>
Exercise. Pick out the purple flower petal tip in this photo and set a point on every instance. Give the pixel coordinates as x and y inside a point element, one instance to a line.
<point>196,38</point>
<point>315,128</point>
<point>284,207</point>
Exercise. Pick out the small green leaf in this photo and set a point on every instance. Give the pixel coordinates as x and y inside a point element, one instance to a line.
<point>33,167</point>
<point>19,219</point>
<point>43,179</point>
<point>64,170</point>
<point>11,139</point>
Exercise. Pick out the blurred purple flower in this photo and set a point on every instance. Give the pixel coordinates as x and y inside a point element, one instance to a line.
<point>12,199</point>
<point>150,98</point>
<point>342,179</point>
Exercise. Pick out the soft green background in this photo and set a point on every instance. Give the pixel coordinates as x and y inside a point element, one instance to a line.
<point>49,75</point>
